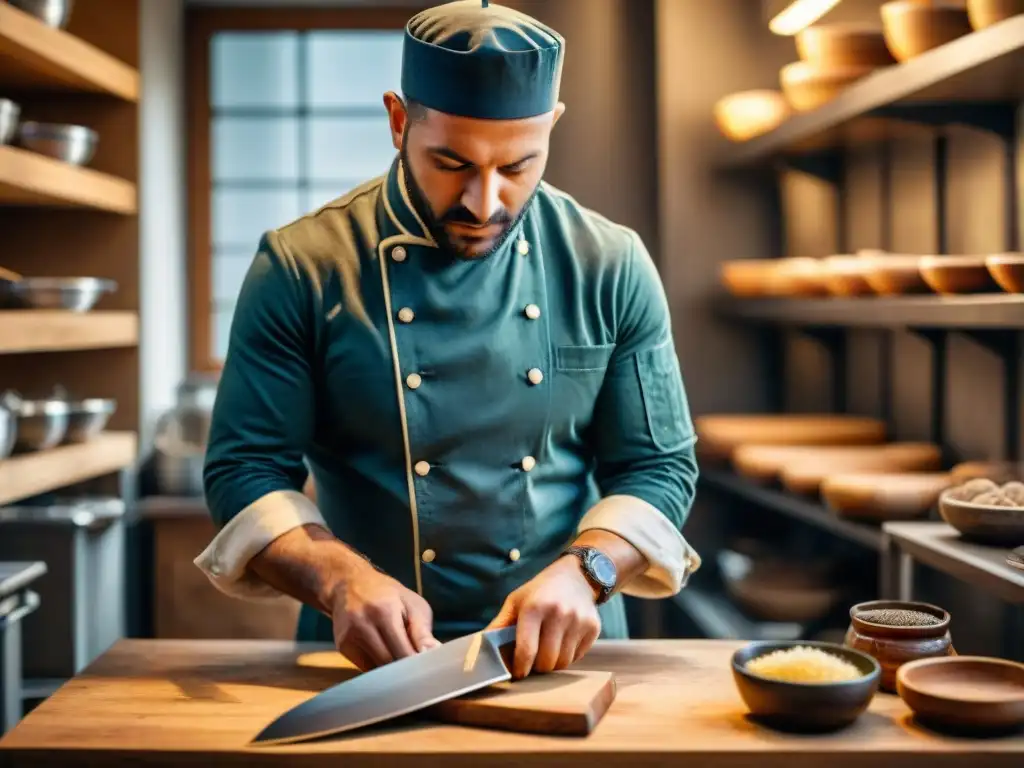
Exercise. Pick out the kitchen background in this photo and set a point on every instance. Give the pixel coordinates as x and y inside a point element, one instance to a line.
<point>216,120</point>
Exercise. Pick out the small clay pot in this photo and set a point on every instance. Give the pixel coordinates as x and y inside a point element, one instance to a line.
<point>893,646</point>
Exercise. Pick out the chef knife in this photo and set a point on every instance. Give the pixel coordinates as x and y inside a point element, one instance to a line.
<point>452,669</point>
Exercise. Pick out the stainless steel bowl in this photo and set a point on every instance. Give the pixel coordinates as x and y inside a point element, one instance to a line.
<point>53,13</point>
<point>10,113</point>
<point>87,418</point>
<point>74,144</point>
<point>78,294</point>
<point>42,424</point>
<point>8,431</point>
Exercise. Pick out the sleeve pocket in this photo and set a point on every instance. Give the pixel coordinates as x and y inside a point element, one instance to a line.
<point>668,414</point>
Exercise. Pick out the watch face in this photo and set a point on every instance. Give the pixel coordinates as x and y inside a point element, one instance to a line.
<point>602,569</point>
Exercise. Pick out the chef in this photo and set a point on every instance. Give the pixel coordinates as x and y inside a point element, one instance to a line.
<point>478,371</point>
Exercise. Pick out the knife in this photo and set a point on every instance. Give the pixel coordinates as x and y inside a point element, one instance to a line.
<point>452,669</point>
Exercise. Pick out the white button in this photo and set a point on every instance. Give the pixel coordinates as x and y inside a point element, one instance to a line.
<point>535,375</point>
<point>514,555</point>
<point>413,380</point>
<point>406,315</point>
<point>528,463</point>
<point>422,468</point>
<point>523,247</point>
<point>428,555</point>
<point>215,570</point>
<point>532,311</point>
<point>398,253</point>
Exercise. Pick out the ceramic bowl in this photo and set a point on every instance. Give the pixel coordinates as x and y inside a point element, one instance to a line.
<point>964,693</point>
<point>881,496</point>
<point>983,523</point>
<point>912,27</point>
<point>1007,269</point>
<point>957,274</point>
<point>847,275</point>
<point>985,13</point>
<point>806,707</point>
<point>896,275</point>
<point>833,46</point>
<point>894,646</point>
<point>744,115</point>
<point>808,87</point>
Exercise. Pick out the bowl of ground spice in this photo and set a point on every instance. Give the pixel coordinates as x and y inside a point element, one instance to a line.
<point>895,632</point>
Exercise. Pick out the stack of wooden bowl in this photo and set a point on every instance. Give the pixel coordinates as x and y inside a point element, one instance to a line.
<point>832,57</point>
<point>912,27</point>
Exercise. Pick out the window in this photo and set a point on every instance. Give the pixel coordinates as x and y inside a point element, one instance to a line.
<point>286,114</point>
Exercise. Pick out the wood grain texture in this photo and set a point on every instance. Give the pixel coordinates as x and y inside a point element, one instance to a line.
<point>45,330</point>
<point>200,703</point>
<point>28,178</point>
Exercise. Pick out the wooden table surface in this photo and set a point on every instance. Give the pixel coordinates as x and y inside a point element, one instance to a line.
<point>167,702</point>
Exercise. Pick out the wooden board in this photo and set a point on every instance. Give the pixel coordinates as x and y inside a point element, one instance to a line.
<point>174,703</point>
<point>44,330</point>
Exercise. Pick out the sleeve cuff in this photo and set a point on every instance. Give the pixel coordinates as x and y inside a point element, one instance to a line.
<point>224,561</point>
<point>671,560</point>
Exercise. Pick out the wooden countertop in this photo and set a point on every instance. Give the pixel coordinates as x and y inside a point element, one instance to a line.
<point>169,702</point>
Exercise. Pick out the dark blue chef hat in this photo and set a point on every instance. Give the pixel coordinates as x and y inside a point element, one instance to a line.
<point>476,59</point>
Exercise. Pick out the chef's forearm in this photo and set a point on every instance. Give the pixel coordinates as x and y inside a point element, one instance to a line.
<point>629,561</point>
<point>307,563</point>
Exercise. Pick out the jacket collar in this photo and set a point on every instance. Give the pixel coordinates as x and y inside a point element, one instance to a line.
<point>403,222</point>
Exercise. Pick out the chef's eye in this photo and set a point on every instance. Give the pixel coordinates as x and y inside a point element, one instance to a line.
<point>442,166</point>
<point>515,168</point>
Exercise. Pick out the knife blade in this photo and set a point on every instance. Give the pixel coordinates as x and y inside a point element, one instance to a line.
<point>454,668</point>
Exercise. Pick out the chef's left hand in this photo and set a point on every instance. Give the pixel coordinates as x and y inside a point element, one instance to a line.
<point>557,618</point>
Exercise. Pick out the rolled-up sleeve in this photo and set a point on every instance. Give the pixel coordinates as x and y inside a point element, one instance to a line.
<point>262,423</point>
<point>643,436</point>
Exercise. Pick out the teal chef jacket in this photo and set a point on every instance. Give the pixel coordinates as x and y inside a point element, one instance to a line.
<point>459,416</point>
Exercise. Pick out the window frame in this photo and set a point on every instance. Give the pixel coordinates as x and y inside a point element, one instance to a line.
<point>201,24</point>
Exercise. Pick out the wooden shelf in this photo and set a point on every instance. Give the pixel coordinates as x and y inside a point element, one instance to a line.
<point>977,79</point>
<point>1000,311</point>
<point>44,330</point>
<point>36,57</point>
<point>26,475</point>
<point>28,178</point>
<point>802,509</point>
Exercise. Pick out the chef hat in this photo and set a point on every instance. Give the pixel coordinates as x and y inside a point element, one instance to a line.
<point>476,59</point>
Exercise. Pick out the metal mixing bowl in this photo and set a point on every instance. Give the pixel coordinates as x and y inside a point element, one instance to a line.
<point>87,418</point>
<point>78,294</point>
<point>53,13</point>
<point>42,424</point>
<point>9,116</point>
<point>74,144</point>
<point>8,431</point>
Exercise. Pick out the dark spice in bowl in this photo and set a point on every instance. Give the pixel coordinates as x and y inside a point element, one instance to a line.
<point>899,617</point>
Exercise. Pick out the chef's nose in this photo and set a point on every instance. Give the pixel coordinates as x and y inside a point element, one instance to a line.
<point>482,197</point>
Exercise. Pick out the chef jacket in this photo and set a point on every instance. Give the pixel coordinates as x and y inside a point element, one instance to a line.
<point>464,419</point>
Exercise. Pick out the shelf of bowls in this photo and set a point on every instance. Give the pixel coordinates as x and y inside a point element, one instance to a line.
<point>833,57</point>
<point>39,424</point>
<point>901,647</point>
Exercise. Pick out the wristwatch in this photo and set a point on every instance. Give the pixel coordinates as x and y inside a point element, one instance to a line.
<point>598,568</point>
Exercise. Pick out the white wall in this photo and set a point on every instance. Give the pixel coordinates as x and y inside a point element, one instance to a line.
<point>163,297</point>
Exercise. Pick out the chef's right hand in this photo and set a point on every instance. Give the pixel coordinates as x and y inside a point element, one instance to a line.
<point>377,620</point>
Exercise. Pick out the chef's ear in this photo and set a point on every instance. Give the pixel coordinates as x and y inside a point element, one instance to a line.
<point>398,117</point>
<point>559,111</point>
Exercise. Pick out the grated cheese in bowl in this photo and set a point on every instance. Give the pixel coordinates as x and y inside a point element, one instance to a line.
<point>803,664</point>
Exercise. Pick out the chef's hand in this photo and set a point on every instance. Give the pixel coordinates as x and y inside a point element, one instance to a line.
<point>556,614</point>
<point>377,620</point>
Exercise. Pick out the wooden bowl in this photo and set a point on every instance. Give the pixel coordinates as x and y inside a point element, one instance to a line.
<point>801,603</point>
<point>797,277</point>
<point>964,693</point>
<point>847,275</point>
<point>835,46</point>
<point>746,278</point>
<point>718,435</point>
<point>985,13</point>
<point>957,274</point>
<point>1007,269</point>
<point>896,275</point>
<point>894,646</point>
<point>764,463</point>
<point>805,707</point>
<point>805,476</point>
<point>911,28</point>
<point>983,523</point>
<point>744,115</point>
<point>808,87</point>
<point>878,496</point>
<point>998,472</point>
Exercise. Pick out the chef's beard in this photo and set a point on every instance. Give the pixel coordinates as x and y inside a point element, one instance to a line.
<point>458,214</point>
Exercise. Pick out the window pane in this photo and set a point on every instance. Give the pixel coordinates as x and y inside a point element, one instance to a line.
<point>241,216</point>
<point>221,330</point>
<point>254,69</point>
<point>229,269</point>
<point>348,148</point>
<point>255,148</point>
<point>353,68</point>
